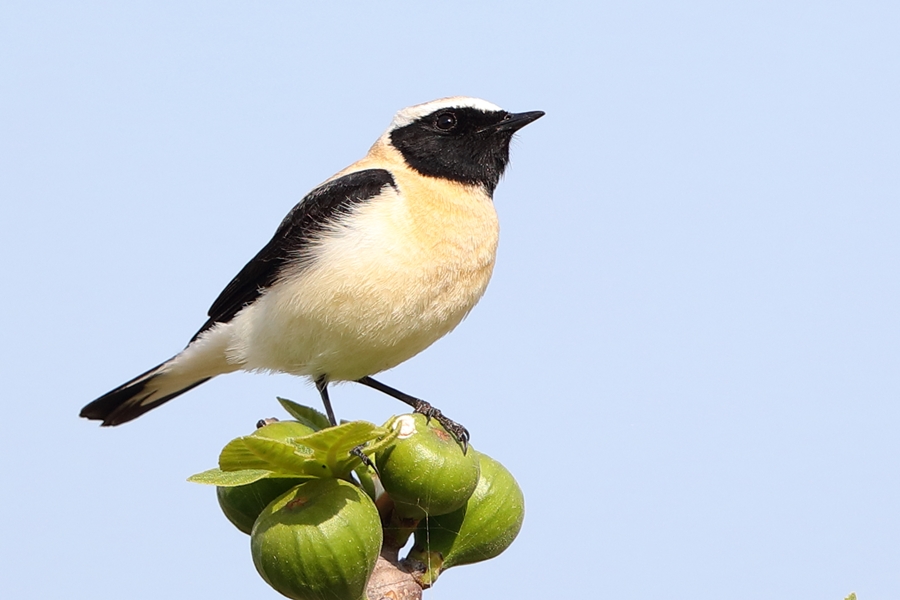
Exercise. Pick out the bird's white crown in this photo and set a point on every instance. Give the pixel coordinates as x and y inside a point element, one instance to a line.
<point>412,113</point>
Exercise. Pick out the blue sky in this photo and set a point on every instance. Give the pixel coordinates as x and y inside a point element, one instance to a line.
<point>688,355</point>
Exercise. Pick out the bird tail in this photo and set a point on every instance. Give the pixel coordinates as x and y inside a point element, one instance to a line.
<point>204,358</point>
<point>143,393</point>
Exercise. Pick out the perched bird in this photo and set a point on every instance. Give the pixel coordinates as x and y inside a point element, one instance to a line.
<point>369,269</point>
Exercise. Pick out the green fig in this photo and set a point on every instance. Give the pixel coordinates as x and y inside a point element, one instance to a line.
<point>424,470</point>
<point>242,504</point>
<point>482,529</point>
<point>319,541</point>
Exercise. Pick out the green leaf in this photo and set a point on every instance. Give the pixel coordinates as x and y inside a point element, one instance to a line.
<point>256,452</point>
<point>325,453</point>
<point>284,457</point>
<point>229,478</point>
<point>333,445</point>
<point>305,414</point>
<point>389,435</point>
<point>236,456</point>
<point>342,438</point>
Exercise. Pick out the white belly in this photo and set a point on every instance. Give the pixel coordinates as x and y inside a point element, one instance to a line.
<point>380,289</point>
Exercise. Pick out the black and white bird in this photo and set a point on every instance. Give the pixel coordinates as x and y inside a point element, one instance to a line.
<point>369,269</point>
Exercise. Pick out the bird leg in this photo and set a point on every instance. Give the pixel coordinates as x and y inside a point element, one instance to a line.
<point>358,453</point>
<point>420,406</point>
<point>322,386</point>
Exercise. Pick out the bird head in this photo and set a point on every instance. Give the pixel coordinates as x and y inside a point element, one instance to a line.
<point>460,139</point>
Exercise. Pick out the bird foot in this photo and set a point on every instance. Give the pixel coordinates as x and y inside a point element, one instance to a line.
<point>358,453</point>
<point>460,433</point>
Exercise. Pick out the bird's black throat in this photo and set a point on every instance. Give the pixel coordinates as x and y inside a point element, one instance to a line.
<point>474,151</point>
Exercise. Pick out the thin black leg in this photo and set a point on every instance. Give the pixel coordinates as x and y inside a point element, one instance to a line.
<point>420,406</point>
<point>322,386</point>
<point>358,453</point>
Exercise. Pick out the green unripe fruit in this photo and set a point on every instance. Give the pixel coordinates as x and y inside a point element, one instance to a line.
<point>243,503</point>
<point>424,470</point>
<point>482,529</point>
<point>319,541</point>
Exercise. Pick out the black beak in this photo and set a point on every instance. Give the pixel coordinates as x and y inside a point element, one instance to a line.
<point>516,121</point>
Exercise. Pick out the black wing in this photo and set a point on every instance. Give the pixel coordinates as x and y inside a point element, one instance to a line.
<point>309,217</point>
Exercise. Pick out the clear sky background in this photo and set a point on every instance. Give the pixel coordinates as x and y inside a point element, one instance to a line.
<point>688,355</point>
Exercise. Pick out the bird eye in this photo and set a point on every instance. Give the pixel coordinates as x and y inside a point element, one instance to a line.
<point>445,121</point>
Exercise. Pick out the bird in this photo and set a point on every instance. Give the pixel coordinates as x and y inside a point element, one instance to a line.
<point>369,269</point>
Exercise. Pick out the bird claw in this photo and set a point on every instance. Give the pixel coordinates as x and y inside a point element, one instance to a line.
<point>460,433</point>
<point>358,453</point>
